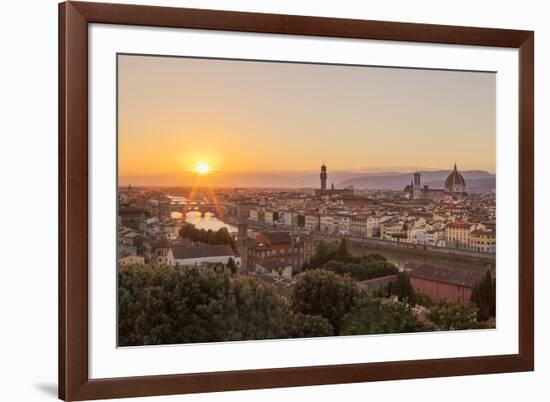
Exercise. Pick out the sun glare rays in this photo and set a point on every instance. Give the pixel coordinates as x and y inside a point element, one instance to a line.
<point>202,168</point>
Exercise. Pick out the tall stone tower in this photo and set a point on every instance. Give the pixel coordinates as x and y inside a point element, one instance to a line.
<point>323,177</point>
<point>416,186</point>
<point>242,244</point>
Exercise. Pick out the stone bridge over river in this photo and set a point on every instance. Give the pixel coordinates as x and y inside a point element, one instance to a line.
<point>184,207</point>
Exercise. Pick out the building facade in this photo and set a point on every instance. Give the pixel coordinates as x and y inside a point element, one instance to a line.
<point>278,247</point>
<point>457,234</point>
<point>442,282</point>
<point>312,221</point>
<point>483,240</point>
<point>201,255</point>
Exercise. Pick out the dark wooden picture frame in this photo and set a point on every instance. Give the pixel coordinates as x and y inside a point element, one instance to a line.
<point>74,382</point>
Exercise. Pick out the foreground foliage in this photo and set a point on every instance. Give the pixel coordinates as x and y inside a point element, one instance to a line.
<point>169,305</point>
<point>173,305</point>
<point>323,293</point>
<point>336,258</point>
<point>448,316</point>
<point>220,236</point>
<point>379,316</point>
<point>484,297</point>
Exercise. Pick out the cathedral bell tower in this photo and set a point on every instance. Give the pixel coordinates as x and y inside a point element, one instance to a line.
<point>417,190</point>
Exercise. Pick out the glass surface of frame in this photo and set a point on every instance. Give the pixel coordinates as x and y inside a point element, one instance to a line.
<point>501,63</point>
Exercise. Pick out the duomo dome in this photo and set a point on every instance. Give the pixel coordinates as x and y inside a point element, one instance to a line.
<point>455,183</point>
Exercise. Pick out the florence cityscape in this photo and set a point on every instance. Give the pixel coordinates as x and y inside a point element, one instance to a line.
<point>299,230</point>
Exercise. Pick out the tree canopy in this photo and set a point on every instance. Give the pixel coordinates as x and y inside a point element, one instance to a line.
<point>307,326</point>
<point>484,297</point>
<point>324,252</point>
<point>232,266</point>
<point>170,305</point>
<point>214,303</point>
<point>362,271</point>
<point>447,315</point>
<point>220,236</point>
<point>323,293</point>
<point>379,316</point>
<point>335,257</point>
<point>403,289</point>
<point>342,253</point>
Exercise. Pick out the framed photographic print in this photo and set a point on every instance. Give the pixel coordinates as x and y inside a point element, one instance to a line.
<point>260,200</point>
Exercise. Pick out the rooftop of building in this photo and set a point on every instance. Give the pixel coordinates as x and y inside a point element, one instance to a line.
<point>460,225</point>
<point>183,253</point>
<point>483,232</point>
<point>375,281</point>
<point>277,237</point>
<point>454,276</point>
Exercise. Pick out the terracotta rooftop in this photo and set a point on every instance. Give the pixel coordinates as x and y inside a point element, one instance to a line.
<point>277,237</point>
<point>460,225</point>
<point>484,232</point>
<point>182,253</point>
<point>454,276</point>
<point>376,281</point>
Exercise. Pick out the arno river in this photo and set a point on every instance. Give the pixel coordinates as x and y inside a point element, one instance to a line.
<point>402,257</point>
<point>208,221</point>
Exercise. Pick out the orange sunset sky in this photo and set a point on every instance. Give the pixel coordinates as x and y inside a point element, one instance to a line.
<point>244,116</point>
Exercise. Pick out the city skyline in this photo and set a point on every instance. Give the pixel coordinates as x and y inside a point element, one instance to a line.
<point>177,113</point>
<point>271,200</point>
<point>297,179</point>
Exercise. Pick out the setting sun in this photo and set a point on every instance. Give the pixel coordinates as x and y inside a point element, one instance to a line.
<point>202,168</point>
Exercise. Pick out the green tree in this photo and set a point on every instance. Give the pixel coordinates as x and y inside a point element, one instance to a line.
<point>210,237</point>
<point>378,316</point>
<point>381,292</point>
<point>423,299</point>
<point>484,297</point>
<point>131,283</point>
<point>403,288</point>
<point>324,252</point>
<point>320,292</point>
<point>308,326</point>
<point>362,271</point>
<point>373,257</point>
<point>231,265</point>
<point>171,305</point>
<point>262,313</point>
<point>448,315</point>
<point>221,236</point>
<point>342,253</point>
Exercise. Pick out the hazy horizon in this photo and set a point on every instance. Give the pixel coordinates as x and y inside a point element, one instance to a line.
<point>294,179</point>
<point>248,117</point>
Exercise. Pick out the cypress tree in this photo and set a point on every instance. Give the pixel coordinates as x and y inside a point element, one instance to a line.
<point>484,296</point>
<point>342,253</point>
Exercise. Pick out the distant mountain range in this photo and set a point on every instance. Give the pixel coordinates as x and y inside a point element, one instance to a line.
<point>298,179</point>
<point>475,179</point>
